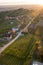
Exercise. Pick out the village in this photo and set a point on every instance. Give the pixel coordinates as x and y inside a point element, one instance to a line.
<point>26,36</point>
<point>15,25</point>
<point>11,33</point>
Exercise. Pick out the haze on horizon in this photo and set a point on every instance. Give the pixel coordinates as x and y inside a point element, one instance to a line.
<point>20,2</point>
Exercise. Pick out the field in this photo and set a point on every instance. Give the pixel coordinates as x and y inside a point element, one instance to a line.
<point>20,15</point>
<point>5,24</point>
<point>17,53</point>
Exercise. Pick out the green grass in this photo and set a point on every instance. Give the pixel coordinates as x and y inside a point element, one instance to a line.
<point>2,43</point>
<point>17,53</point>
<point>5,24</point>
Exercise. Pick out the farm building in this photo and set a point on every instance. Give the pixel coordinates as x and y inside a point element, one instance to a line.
<point>15,29</point>
<point>8,36</point>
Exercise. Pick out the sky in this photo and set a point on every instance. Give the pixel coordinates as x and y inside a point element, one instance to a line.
<point>20,2</point>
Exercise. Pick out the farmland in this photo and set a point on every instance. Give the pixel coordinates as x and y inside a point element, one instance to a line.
<point>21,51</point>
<point>9,23</point>
<point>16,16</point>
<point>17,53</point>
<point>10,19</point>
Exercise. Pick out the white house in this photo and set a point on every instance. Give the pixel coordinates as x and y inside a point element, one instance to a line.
<point>15,29</point>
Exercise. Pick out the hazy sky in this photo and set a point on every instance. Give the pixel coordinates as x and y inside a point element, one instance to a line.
<point>18,2</point>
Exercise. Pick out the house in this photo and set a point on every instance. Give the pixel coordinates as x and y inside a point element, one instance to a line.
<point>8,36</point>
<point>15,30</point>
<point>9,18</point>
<point>6,18</point>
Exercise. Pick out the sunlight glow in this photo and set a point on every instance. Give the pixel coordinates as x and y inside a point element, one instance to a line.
<point>20,2</point>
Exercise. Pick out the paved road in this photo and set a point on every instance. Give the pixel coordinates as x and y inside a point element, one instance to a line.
<point>32,19</point>
<point>19,34</point>
<point>5,46</point>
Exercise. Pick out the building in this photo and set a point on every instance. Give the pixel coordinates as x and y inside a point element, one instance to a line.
<point>9,18</point>
<point>8,36</point>
<point>15,30</point>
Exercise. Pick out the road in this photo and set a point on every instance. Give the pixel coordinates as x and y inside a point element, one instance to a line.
<point>19,34</point>
<point>5,46</point>
<point>32,19</point>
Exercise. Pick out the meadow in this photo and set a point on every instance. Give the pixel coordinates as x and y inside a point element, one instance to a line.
<point>17,53</point>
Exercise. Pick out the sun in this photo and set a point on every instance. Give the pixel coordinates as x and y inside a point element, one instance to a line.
<point>41,2</point>
<point>17,2</point>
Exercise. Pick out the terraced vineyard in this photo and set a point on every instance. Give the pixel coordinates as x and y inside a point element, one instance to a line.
<point>17,53</point>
